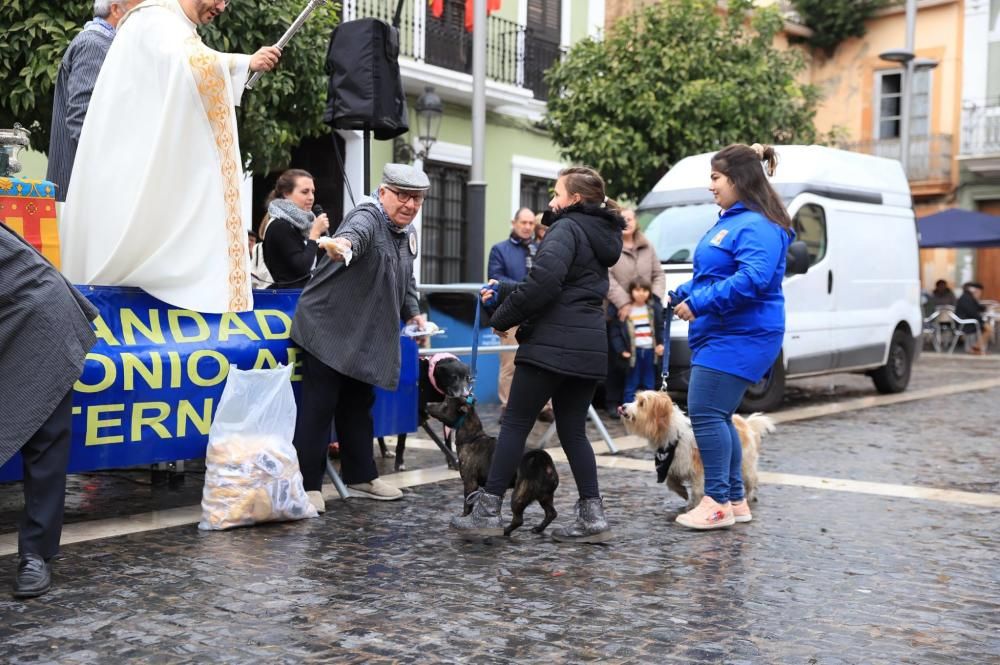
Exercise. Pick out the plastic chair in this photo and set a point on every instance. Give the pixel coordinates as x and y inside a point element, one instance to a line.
<point>932,331</point>
<point>959,330</point>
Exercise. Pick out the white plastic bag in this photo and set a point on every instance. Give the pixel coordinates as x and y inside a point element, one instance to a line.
<point>251,468</point>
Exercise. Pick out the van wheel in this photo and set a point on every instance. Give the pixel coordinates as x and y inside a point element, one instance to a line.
<point>894,376</point>
<point>768,393</point>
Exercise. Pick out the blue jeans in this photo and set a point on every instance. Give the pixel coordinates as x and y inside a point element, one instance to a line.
<point>713,397</point>
<point>641,375</point>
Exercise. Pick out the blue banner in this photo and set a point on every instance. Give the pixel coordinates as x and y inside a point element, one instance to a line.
<point>151,384</point>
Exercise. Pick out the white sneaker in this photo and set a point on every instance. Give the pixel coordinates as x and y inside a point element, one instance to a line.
<point>377,489</point>
<point>316,499</point>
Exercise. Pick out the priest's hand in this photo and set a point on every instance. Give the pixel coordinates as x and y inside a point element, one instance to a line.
<point>338,249</point>
<point>265,59</point>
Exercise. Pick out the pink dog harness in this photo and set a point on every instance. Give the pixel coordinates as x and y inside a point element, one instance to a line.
<point>435,359</point>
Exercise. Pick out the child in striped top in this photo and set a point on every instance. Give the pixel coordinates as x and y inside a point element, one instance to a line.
<point>639,339</point>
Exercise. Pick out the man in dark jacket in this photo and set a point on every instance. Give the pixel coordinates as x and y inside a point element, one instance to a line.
<point>968,307</point>
<point>347,322</point>
<point>45,334</point>
<point>510,261</point>
<point>77,75</point>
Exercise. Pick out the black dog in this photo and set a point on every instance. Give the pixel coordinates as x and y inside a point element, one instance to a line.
<point>536,478</point>
<point>441,376</point>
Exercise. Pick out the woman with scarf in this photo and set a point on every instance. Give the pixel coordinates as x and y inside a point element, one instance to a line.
<point>291,231</point>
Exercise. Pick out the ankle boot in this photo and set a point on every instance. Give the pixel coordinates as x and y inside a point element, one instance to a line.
<point>484,520</point>
<point>590,525</point>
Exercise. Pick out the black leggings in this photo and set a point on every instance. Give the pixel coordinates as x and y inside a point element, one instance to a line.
<point>531,388</point>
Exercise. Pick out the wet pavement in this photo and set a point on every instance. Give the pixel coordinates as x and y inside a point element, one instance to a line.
<point>818,577</point>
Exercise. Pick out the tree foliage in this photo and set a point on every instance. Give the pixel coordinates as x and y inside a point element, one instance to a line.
<point>285,107</point>
<point>673,80</point>
<point>833,21</point>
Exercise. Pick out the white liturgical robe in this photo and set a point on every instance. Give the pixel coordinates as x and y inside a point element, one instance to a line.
<point>154,200</point>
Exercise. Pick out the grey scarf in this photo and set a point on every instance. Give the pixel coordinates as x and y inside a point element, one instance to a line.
<point>291,213</point>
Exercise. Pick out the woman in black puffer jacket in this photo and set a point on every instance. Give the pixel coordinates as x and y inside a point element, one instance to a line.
<point>559,309</point>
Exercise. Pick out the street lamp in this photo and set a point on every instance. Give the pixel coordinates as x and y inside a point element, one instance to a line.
<point>910,63</point>
<point>430,110</point>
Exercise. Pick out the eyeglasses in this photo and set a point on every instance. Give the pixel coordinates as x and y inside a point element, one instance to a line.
<point>406,197</point>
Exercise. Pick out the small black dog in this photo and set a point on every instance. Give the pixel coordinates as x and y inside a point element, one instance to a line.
<point>536,478</point>
<point>441,376</point>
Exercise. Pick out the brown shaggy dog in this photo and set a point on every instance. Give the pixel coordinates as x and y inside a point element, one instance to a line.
<point>655,417</point>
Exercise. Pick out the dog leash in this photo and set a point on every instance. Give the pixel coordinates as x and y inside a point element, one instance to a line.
<point>491,305</point>
<point>668,315</point>
<point>475,345</point>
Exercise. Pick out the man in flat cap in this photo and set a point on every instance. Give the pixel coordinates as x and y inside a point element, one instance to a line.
<point>347,323</point>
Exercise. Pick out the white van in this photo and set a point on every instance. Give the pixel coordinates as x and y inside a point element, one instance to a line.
<point>856,308</point>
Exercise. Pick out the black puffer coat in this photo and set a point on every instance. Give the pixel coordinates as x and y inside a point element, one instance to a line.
<point>560,305</point>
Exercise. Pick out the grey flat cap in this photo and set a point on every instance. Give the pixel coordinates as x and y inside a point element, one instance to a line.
<point>406,177</point>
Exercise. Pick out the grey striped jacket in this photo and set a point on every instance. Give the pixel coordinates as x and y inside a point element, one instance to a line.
<point>77,75</point>
<point>45,334</point>
<point>348,317</point>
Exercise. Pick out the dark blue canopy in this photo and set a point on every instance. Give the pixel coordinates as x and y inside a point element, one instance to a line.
<point>959,228</point>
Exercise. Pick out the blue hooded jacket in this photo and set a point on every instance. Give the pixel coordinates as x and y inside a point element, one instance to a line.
<point>736,294</point>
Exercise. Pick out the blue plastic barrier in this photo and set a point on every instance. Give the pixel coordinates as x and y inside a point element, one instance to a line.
<point>454,312</point>
<point>150,386</point>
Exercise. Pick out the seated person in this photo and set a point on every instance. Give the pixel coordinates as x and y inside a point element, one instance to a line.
<point>941,295</point>
<point>969,307</point>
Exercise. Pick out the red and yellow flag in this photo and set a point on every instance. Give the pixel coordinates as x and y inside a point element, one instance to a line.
<point>491,6</point>
<point>29,207</point>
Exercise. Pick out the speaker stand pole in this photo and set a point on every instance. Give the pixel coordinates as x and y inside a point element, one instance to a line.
<point>368,162</point>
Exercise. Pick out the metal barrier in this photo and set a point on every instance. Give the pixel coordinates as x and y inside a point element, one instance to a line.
<point>473,289</point>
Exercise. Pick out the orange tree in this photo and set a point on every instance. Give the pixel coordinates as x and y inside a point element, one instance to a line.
<point>675,79</point>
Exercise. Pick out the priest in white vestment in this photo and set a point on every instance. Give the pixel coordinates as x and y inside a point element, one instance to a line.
<point>155,197</point>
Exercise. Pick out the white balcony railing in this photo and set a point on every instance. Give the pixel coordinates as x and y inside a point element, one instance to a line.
<point>930,156</point>
<point>980,129</point>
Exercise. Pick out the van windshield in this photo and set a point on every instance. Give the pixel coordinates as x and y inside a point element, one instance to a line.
<point>674,232</point>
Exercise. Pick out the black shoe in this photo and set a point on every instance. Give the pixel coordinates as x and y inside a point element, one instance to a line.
<point>612,413</point>
<point>34,577</point>
<point>546,416</point>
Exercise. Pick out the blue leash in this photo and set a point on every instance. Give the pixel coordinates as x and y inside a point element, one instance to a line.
<point>475,341</point>
<point>491,305</point>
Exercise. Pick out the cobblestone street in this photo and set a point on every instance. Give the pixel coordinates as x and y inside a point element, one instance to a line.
<point>873,568</point>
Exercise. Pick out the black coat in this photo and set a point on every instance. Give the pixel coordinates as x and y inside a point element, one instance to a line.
<point>45,334</point>
<point>968,307</point>
<point>560,305</point>
<point>288,256</point>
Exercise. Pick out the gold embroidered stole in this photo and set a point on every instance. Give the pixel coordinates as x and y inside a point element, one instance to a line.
<point>210,77</point>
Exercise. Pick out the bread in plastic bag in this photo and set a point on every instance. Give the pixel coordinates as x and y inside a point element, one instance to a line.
<point>251,467</point>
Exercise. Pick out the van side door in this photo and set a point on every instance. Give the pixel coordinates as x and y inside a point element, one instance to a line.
<point>809,299</point>
<point>874,251</point>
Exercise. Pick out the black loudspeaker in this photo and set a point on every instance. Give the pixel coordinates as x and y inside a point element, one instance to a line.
<point>365,90</point>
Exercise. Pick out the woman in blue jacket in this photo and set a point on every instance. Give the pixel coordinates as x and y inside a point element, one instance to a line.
<point>736,311</point>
